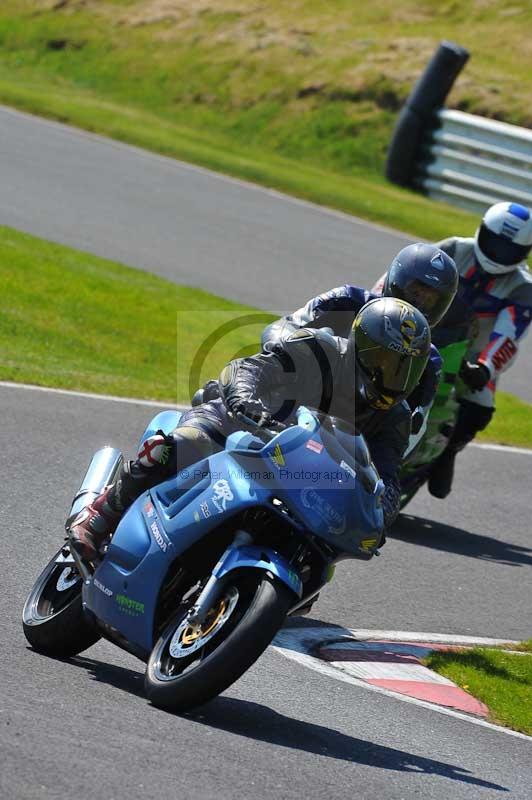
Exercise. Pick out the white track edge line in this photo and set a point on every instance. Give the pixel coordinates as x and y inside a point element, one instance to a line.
<point>91,396</point>
<point>179,407</point>
<point>432,638</point>
<point>300,656</point>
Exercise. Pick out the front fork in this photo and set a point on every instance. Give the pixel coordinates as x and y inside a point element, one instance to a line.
<point>242,553</point>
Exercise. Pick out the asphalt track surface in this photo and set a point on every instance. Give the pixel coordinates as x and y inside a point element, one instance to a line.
<point>189,225</point>
<point>83,728</point>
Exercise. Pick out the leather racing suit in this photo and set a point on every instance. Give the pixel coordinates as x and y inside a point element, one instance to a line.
<point>336,310</point>
<point>309,368</point>
<point>503,308</point>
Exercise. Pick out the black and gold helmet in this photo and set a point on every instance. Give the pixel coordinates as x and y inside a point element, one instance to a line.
<point>388,347</point>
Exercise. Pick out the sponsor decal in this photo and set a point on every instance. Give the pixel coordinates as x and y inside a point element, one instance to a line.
<point>505,353</point>
<point>149,509</point>
<point>205,510</point>
<point>277,457</point>
<point>335,521</point>
<point>348,468</point>
<point>368,544</point>
<point>316,447</point>
<point>294,579</point>
<point>158,536</point>
<point>222,495</point>
<point>405,340</point>
<point>99,585</point>
<point>126,605</point>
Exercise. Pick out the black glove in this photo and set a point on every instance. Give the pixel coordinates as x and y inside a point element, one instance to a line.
<point>253,409</point>
<point>475,376</point>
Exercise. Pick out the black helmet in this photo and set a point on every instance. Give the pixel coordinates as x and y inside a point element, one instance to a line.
<point>425,276</point>
<point>389,346</point>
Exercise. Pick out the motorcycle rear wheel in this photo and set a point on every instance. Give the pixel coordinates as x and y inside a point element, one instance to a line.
<point>53,619</point>
<point>189,666</point>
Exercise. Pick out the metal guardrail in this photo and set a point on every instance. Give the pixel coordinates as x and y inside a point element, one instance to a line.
<point>474,162</point>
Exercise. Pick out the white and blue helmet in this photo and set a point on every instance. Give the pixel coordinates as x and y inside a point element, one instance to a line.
<point>504,238</point>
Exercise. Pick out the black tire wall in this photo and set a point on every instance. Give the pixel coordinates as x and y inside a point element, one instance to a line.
<point>417,115</point>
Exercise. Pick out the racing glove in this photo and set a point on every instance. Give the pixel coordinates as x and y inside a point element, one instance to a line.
<point>253,409</point>
<point>474,375</point>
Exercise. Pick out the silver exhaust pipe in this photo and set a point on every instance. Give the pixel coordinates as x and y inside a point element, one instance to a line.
<point>102,470</point>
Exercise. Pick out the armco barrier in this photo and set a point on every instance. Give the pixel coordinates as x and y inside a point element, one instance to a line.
<point>473,162</point>
<point>460,158</point>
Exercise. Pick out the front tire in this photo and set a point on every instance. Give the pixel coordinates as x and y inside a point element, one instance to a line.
<point>188,666</point>
<point>53,619</point>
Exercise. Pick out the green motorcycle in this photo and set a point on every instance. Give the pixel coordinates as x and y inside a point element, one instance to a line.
<point>452,337</point>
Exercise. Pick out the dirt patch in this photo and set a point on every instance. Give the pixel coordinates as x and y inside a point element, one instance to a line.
<point>152,12</point>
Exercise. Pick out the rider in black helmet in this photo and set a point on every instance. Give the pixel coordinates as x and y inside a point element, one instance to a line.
<point>362,380</point>
<point>421,274</point>
<point>425,276</point>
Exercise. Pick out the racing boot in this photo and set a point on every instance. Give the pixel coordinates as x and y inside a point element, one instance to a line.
<point>442,473</point>
<point>471,419</point>
<point>92,526</point>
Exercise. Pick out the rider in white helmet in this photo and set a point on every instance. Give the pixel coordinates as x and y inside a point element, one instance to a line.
<point>496,283</point>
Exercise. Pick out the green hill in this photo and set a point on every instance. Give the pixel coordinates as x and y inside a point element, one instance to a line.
<point>258,88</point>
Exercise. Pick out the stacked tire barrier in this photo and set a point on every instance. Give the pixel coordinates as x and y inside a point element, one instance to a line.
<point>459,158</point>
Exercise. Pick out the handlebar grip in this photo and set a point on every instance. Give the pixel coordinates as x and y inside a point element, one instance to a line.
<point>252,423</point>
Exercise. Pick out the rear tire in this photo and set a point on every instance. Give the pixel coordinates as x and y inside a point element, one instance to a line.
<point>53,619</point>
<point>181,681</point>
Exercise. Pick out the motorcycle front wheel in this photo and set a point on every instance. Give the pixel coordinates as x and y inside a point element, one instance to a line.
<point>190,665</point>
<point>53,619</point>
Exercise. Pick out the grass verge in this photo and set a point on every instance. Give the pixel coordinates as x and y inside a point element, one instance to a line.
<point>299,96</point>
<point>511,424</point>
<point>501,680</point>
<point>72,320</point>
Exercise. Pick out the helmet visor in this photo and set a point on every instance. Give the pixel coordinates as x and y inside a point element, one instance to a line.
<point>500,250</point>
<point>391,375</point>
<point>431,301</point>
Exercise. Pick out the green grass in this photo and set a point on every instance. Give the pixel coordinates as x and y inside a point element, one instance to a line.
<point>72,320</point>
<point>511,424</point>
<point>302,96</point>
<point>501,680</point>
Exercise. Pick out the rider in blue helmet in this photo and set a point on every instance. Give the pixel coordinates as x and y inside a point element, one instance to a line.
<point>421,274</point>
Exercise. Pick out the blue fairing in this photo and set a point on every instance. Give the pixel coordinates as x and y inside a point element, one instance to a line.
<point>166,421</point>
<point>295,471</point>
<point>259,558</point>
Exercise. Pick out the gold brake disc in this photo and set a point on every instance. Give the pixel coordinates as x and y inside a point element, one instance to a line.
<point>195,632</point>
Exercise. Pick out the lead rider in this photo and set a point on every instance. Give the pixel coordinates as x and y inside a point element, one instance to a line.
<point>362,379</point>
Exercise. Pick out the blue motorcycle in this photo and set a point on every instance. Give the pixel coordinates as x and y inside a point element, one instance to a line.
<point>204,568</point>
